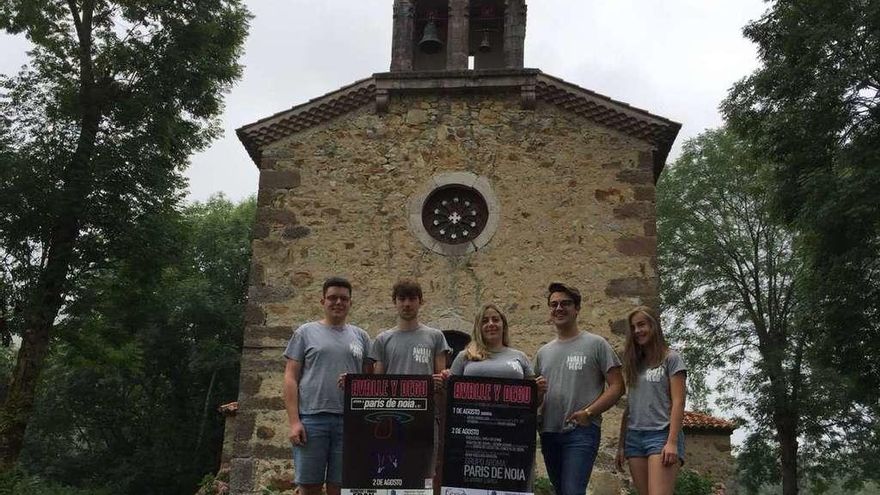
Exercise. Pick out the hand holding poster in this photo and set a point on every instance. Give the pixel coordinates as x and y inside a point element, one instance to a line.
<point>388,435</point>
<point>490,436</point>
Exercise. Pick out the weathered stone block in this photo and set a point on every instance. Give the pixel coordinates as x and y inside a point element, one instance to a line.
<point>257,274</point>
<point>646,160</point>
<point>269,294</point>
<point>279,179</point>
<point>626,287</point>
<point>265,432</point>
<point>636,176</point>
<point>269,403</point>
<point>272,337</point>
<point>609,195</point>
<point>637,246</point>
<point>645,193</point>
<point>241,476</point>
<point>254,314</point>
<point>651,228</point>
<point>295,232</point>
<point>276,216</point>
<point>249,385</point>
<point>260,231</point>
<point>619,327</point>
<point>641,209</point>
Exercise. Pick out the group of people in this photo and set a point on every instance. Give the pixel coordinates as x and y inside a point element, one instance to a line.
<point>578,376</point>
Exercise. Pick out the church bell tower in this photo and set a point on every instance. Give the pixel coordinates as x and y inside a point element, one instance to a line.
<point>450,35</point>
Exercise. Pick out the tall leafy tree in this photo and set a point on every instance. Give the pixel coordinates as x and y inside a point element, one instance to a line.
<point>813,107</point>
<point>160,341</point>
<point>737,285</point>
<point>95,131</point>
<point>728,273</point>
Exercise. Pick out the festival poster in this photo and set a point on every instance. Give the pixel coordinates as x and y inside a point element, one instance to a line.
<point>490,434</point>
<point>389,435</point>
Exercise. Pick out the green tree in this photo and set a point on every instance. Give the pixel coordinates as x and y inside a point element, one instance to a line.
<point>144,357</point>
<point>95,132</point>
<point>728,275</point>
<point>813,108</point>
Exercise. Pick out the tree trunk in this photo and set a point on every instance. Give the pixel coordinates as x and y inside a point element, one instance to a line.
<point>48,294</point>
<point>786,433</point>
<point>39,319</point>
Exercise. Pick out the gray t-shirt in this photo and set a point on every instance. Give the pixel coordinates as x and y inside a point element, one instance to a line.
<point>325,352</point>
<point>506,363</point>
<point>575,371</point>
<point>409,352</point>
<point>650,402</point>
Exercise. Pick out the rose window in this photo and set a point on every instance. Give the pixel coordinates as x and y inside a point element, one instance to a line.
<point>455,214</point>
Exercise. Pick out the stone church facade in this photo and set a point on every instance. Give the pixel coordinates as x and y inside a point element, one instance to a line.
<point>483,183</point>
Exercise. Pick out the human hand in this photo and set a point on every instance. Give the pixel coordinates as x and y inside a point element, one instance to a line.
<point>669,454</point>
<point>541,382</point>
<point>297,434</point>
<point>581,417</point>
<point>438,380</point>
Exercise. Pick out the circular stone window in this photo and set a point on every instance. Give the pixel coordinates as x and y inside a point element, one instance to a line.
<point>454,214</point>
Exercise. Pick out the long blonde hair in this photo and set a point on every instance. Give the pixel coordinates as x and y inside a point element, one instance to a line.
<point>476,350</point>
<point>636,357</point>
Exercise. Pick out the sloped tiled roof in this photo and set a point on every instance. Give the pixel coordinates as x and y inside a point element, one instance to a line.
<point>699,421</point>
<point>532,83</point>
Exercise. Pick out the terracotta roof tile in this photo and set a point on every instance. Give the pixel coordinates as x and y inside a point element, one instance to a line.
<point>699,421</point>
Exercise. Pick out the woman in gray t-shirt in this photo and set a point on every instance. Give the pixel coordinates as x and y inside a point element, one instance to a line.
<point>650,432</point>
<point>489,354</point>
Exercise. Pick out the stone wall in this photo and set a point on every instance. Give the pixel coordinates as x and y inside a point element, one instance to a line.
<point>576,204</point>
<point>708,453</point>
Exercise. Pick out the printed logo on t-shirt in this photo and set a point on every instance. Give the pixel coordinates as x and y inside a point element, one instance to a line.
<point>516,366</point>
<point>655,375</point>
<point>357,350</point>
<point>422,354</point>
<point>576,362</point>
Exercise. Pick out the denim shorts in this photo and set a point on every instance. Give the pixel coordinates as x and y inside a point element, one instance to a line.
<point>320,459</point>
<point>644,443</point>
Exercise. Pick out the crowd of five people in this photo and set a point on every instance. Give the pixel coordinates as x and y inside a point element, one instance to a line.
<point>578,376</point>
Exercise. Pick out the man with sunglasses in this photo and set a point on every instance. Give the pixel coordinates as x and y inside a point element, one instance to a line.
<point>318,354</point>
<point>582,376</point>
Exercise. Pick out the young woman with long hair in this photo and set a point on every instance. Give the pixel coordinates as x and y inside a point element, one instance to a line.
<point>488,353</point>
<point>650,431</point>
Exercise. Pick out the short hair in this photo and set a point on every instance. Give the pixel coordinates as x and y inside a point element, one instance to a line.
<point>572,292</point>
<point>335,282</point>
<point>406,287</point>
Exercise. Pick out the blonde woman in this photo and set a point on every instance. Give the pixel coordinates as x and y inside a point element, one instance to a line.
<point>650,432</point>
<point>489,354</point>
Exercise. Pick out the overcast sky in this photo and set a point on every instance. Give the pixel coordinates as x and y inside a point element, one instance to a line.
<point>675,58</point>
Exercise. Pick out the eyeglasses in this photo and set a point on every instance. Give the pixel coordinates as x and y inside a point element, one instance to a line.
<point>565,303</point>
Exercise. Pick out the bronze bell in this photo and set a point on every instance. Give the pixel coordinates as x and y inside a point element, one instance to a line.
<point>431,42</point>
<point>485,46</point>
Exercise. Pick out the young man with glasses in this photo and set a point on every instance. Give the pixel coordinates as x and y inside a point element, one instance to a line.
<point>583,379</point>
<point>318,354</point>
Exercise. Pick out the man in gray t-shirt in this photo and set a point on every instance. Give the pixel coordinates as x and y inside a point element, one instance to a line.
<point>575,368</point>
<point>318,354</point>
<point>411,348</point>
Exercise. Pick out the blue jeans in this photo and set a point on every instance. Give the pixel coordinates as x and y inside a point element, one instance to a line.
<point>569,457</point>
<point>320,459</point>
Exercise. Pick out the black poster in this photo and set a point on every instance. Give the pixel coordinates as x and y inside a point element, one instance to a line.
<point>389,435</point>
<point>489,445</point>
